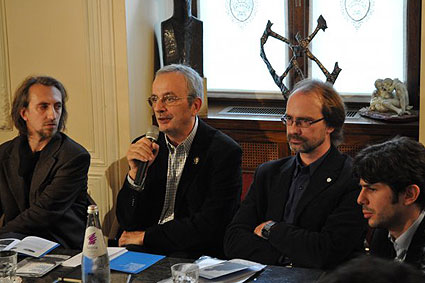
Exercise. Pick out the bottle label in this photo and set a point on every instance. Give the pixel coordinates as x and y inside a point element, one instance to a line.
<point>94,244</point>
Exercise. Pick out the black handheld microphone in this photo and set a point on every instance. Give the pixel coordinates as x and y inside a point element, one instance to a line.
<point>152,134</point>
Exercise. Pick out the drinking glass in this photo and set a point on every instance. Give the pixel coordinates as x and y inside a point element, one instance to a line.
<point>185,273</point>
<point>8,263</point>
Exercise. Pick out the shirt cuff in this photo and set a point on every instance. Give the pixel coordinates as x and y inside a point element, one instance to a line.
<point>133,185</point>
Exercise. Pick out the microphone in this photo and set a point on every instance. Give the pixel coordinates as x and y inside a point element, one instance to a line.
<point>152,134</point>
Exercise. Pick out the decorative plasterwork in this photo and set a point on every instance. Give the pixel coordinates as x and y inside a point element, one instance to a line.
<point>5,94</point>
<point>104,175</point>
<point>102,81</point>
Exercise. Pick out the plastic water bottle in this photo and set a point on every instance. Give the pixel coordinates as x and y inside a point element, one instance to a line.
<point>95,260</point>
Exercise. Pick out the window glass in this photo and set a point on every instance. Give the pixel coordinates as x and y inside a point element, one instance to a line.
<point>232,32</point>
<point>365,37</point>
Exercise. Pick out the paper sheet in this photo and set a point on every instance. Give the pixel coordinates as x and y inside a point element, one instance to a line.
<point>113,252</point>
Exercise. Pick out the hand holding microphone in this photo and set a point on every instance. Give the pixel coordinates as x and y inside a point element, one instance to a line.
<point>141,154</point>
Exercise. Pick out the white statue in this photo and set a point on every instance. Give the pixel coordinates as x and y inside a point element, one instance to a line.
<point>384,99</point>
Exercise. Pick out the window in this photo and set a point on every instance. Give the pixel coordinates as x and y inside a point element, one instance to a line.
<point>367,39</point>
<point>232,59</point>
<point>370,39</point>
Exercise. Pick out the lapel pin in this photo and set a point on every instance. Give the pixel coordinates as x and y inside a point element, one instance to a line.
<point>196,160</point>
<point>328,180</point>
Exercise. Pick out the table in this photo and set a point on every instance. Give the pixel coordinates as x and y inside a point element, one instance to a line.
<point>161,270</point>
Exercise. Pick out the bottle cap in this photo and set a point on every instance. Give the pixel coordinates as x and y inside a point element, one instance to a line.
<point>92,209</point>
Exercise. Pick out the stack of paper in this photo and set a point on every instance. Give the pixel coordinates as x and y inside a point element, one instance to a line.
<point>113,252</point>
<point>224,271</point>
<point>37,267</point>
<point>234,270</point>
<point>122,260</point>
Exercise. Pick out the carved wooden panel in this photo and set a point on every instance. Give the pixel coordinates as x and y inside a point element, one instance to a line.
<point>265,139</point>
<point>351,150</point>
<point>255,153</point>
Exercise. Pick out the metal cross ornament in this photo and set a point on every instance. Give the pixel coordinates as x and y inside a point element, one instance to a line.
<point>298,50</point>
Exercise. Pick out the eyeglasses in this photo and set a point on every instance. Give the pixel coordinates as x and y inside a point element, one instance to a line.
<point>300,122</point>
<point>168,100</point>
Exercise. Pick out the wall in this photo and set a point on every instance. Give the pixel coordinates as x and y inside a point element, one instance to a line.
<point>140,50</point>
<point>143,21</point>
<point>83,43</point>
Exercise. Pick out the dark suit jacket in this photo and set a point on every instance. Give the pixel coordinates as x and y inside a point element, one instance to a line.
<point>381,246</point>
<point>207,197</point>
<point>58,193</point>
<point>328,225</point>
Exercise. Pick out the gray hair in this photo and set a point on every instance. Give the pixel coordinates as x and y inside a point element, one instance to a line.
<point>194,81</point>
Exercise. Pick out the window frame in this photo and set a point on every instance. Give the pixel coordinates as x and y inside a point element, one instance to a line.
<point>298,21</point>
<point>299,17</point>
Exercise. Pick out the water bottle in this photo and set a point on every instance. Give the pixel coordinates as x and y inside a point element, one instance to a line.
<point>95,260</point>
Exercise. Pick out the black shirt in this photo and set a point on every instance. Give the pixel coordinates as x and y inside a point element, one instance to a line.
<point>300,181</point>
<point>27,162</point>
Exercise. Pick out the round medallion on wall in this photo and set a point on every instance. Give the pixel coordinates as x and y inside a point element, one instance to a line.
<point>241,10</point>
<point>357,11</point>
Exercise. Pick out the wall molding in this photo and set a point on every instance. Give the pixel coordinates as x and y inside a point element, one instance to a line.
<point>104,174</point>
<point>5,92</point>
<point>99,190</point>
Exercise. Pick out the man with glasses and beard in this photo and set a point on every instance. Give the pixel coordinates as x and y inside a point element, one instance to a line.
<point>193,182</point>
<point>301,210</point>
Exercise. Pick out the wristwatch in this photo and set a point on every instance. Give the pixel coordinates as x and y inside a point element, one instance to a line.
<point>265,232</point>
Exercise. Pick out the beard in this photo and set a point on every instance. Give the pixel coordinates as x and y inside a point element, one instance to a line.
<point>47,134</point>
<point>385,221</point>
<point>306,146</point>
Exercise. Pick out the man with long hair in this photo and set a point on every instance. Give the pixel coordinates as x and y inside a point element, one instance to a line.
<point>43,176</point>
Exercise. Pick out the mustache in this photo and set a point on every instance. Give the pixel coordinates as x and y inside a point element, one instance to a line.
<point>297,137</point>
<point>51,122</point>
<point>365,208</point>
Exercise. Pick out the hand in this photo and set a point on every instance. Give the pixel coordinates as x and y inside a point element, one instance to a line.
<point>131,238</point>
<point>143,150</point>
<point>258,229</point>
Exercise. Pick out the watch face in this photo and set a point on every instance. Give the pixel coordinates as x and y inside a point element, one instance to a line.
<point>265,232</point>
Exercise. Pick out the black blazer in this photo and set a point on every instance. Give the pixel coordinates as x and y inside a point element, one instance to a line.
<point>381,246</point>
<point>207,197</point>
<point>328,226</point>
<point>58,194</point>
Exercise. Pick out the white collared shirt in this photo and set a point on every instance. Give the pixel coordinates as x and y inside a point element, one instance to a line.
<point>402,243</point>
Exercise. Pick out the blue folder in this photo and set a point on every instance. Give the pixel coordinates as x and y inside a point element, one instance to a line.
<point>134,262</point>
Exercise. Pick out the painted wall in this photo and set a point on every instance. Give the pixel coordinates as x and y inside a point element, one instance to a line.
<point>143,22</point>
<point>104,53</point>
<point>82,43</point>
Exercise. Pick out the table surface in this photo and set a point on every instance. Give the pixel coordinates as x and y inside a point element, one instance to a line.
<point>161,270</point>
